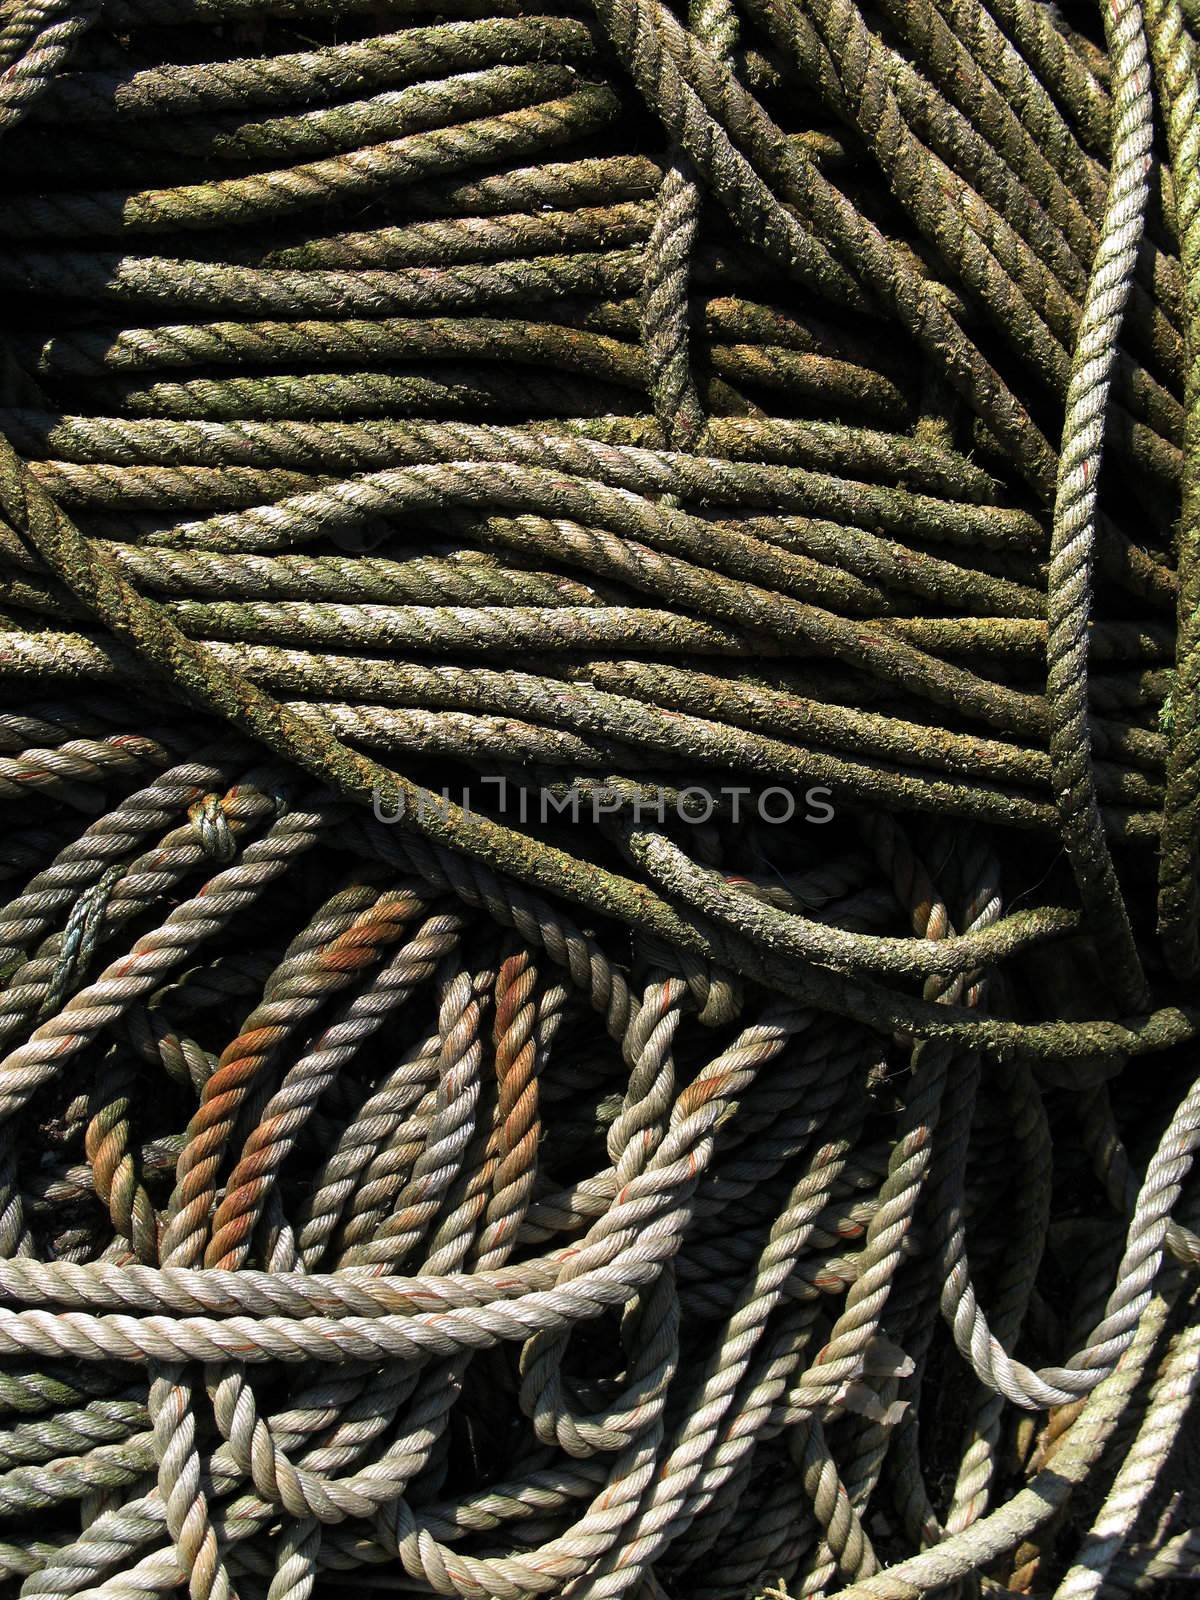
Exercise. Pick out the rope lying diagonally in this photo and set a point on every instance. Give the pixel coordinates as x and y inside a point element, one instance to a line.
<point>598,734</point>
<point>36,41</point>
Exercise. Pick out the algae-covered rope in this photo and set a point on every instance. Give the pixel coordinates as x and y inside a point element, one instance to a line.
<point>596,636</point>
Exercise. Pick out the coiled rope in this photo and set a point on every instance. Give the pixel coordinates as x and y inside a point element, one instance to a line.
<point>599,725</point>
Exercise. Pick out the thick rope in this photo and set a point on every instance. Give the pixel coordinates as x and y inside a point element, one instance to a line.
<point>595,655</point>
<point>1073,536</point>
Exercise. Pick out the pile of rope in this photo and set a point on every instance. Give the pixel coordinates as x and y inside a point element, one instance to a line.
<point>600,751</point>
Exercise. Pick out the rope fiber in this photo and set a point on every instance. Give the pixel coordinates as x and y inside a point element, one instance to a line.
<point>600,753</point>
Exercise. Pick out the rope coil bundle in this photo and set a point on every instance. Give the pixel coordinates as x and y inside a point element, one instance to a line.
<point>462,467</point>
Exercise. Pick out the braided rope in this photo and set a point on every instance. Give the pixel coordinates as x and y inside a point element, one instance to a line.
<point>36,41</point>
<point>1172,1394</point>
<point>1175,63</point>
<point>1075,503</point>
<point>582,736</point>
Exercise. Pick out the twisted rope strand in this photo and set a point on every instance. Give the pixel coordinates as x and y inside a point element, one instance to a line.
<point>581,741</point>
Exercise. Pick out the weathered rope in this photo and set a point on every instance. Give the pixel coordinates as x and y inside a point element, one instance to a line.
<point>598,667</point>
<point>1073,535</point>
